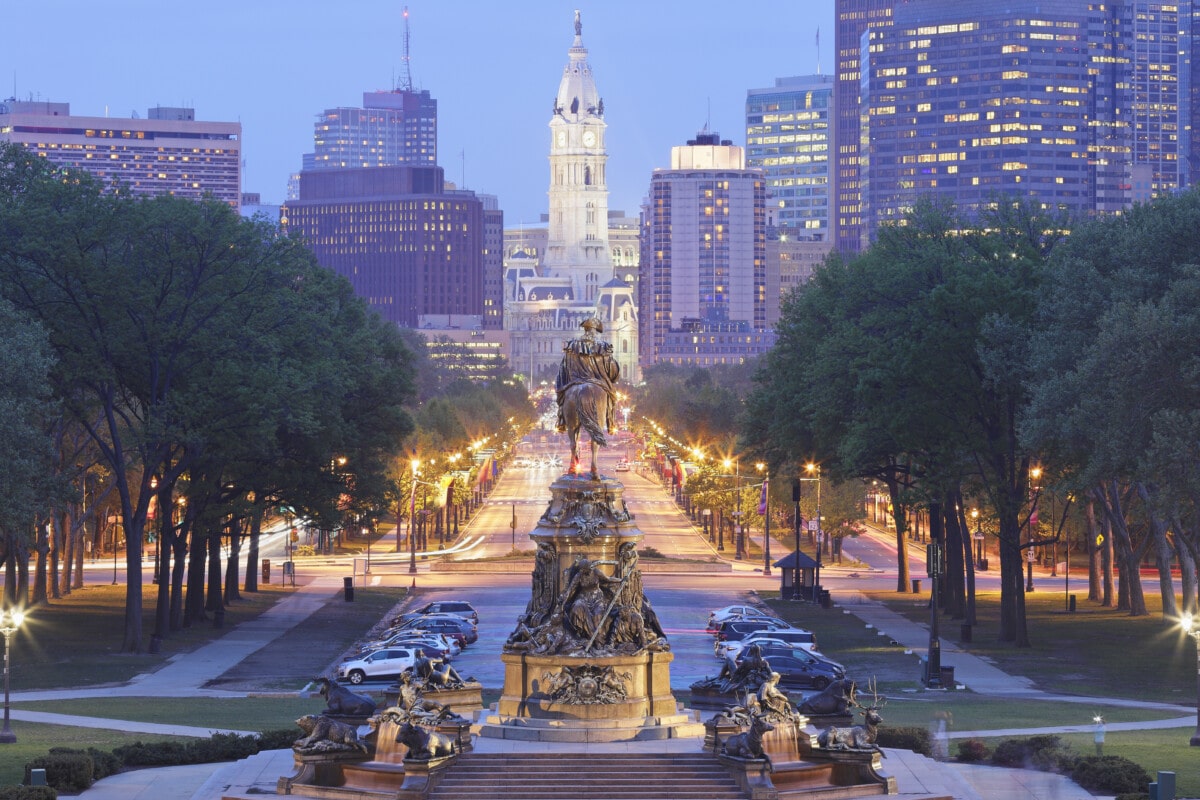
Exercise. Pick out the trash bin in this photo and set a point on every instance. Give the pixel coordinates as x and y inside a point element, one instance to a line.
<point>266,570</point>
<point>1071,604</point>
<point>348,583</point>
<point>964,632</point>
<point>983,565</point>
<point>916,583</point>
<point>947,676</point>
<point>37,777</point>
<point>826,600</point>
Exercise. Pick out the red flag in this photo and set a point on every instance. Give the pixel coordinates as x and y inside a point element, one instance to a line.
<point>762,499</point>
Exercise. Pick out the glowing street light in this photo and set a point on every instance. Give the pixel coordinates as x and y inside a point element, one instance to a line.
<point>10,622</point>
<point>1189,624</point>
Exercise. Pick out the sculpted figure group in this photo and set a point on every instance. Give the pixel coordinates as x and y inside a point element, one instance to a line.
<point>592,614</point>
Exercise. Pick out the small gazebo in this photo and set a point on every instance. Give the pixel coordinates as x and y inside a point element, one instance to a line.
<point>797,570</point>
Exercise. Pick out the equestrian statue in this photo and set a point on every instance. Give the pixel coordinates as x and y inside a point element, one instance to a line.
<point>586,391</point>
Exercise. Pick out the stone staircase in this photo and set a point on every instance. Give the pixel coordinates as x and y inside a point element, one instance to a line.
<point>606,776</point>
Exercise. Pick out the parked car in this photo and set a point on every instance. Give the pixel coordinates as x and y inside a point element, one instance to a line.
<point>459,608</point>
<point>732,612</point>
<point>382,664</point>
<point>434,645</point>
<point>448,624</point>
<point>802,669</point>
<point>622,466</point>
<point>736,629</point>
<point>797,637</point>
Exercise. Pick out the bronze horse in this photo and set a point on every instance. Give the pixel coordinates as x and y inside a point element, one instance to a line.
<point>585,406</point>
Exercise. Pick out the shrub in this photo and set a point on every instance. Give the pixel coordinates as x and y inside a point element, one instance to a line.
<point>103,763</point>
<point>1110,774</point>
<point>1047,753</point>
<point>28,793</point>
<point>902,738</point>
<point>155,754</point>
<point>279,739</point>
<point>972,751</point>
<point>66,772</point>
<point>1122,796</point>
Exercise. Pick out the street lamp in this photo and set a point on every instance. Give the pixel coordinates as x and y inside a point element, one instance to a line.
<point>815,469</point>
<point>412,518</point>
<point>10,621</point>
<point>706,515</point>
<point>1189,624</point>
<point>1035,474</point>
<point>796,500</point>
<point>764,508</point>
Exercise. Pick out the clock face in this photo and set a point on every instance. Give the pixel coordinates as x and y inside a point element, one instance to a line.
<point>589,138</point>
<point>562,138</point>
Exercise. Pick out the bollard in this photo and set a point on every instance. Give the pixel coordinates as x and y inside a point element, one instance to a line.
<point>1071,604</point>
<point>916,585</point>
<point>348,583</point>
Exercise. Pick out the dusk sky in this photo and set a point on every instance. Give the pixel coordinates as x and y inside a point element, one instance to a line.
<point>664,69</point>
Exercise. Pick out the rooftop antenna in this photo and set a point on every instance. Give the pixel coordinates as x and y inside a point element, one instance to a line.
<point>406,84</point>
<point>818,49</point>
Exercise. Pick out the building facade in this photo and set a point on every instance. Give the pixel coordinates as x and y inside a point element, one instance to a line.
<point>409,248</point>
<point>391,128</point>
<point>1083,107</point>
<point>703,283</point>
<point>166,153</point>
<point>789,136</point>
<point>548,294</point>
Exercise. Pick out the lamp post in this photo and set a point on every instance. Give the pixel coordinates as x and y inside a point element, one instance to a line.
<point>738,528</point>
<point>367,533</point>
<point>10,621</point>
<point>1189,624</point>
<point>706,515</point>
<point>796,500</point>
<point>765,510</point>
<point>412,518</point>
<point>815,469</point>
<point>1035,474</point>
<point>513,525</point>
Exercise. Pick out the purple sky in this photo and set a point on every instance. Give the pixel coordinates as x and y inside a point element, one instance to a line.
<point>663,69</point>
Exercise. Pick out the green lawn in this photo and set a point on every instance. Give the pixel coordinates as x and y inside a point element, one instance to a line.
<point>1095,651</point>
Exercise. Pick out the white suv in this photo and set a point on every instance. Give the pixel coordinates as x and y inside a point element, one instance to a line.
<point>378,665</point>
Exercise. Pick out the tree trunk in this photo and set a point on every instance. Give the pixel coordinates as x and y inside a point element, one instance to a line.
<point>1162,556</point>
<point>212,598</point>
<point>41,544</point>
<point>900,518</point>
<point>1130,596</point>
<point>956,566</point>
<point>231,566</point>
<point>256,519</point>
<point>197,558</point>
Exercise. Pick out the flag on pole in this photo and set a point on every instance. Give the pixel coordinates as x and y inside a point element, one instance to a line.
<point>762,499</point>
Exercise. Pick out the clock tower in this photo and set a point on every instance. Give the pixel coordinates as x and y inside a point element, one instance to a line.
<point>572,278</point>
<point>577,240</point>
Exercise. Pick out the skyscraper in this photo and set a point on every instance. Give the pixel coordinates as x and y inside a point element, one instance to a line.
<point>703,283</point>
<point>391,128</point>
<point>789,137</point>
<point>547,301</point>
<point>168,152</point>
<point>409,248</point>
<point>853,19</point>
<point>1083,107</point>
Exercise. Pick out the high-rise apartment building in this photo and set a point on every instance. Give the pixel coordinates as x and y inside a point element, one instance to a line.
<point>853,19</point>
<point>548,298</point>
<point>1084,107</point>
<point>391,128</point>
<point>167,153</point>
<point>789,136</point>
<point>703,281</point>
<point>409,248</point>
